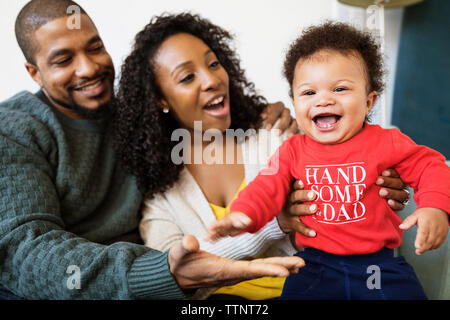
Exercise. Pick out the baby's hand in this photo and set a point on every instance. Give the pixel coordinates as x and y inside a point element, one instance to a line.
<point>432,229</point>
<point>230,225</point>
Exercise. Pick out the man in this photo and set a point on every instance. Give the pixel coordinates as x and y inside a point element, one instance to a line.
<point>68,212</point>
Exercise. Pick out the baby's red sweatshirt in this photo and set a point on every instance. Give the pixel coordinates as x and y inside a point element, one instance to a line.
<point>352,218</point>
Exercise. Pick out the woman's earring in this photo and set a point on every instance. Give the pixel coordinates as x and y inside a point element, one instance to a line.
<point>166,110</point>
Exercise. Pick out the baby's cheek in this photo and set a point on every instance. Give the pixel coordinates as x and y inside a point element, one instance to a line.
<point>302,120</point>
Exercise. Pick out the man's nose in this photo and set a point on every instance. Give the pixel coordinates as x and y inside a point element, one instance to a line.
<point>86,67</point>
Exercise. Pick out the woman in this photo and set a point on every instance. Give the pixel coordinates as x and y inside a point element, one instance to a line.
<point>182,75</point>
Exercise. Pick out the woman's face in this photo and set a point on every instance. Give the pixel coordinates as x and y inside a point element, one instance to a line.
<point>193,82</point>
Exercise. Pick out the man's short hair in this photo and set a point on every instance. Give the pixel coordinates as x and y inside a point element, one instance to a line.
<point>34,15</point>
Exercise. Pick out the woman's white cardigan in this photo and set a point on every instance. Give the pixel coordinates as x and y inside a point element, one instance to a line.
<point>184,210</point>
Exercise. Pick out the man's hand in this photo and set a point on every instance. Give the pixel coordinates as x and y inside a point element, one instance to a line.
<point>275,111</point>
<point>432,228</point>
<point>193,268</point>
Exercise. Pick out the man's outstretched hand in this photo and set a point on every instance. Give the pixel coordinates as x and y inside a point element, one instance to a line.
<point>193,268</point>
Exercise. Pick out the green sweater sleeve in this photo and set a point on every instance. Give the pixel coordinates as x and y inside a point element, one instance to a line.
<point>38,254</point>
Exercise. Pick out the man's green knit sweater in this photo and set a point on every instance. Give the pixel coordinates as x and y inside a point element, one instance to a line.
<point>66,205</point>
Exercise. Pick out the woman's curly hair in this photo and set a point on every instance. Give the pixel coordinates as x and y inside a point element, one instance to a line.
<point>342,38</point>
<point>142,132</point>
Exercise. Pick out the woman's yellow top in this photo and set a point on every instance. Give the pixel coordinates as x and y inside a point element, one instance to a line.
<point>256,289</point>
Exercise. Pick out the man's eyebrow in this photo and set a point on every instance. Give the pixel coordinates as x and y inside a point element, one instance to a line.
<point>64,51</point>
<point>94,39</point>
<point>59,52</point>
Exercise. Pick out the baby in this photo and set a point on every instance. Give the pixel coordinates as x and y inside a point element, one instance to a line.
<point>335,75</point>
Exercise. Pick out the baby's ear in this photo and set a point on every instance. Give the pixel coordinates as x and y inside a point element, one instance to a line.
<point>371,99</point>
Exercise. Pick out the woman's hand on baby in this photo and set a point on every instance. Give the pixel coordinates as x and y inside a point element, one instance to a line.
<point>230,225</point>
<point>278,110</point>
<point>289,217</point>
<point>432,228</point>
<point>393,189</point>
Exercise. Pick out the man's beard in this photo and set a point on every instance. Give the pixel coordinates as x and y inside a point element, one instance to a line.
<point>98,113</point>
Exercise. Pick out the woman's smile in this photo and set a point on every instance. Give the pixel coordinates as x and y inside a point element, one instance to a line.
<point>218,106</point>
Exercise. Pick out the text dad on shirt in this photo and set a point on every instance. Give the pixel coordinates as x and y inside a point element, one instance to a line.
<point>340,189</point>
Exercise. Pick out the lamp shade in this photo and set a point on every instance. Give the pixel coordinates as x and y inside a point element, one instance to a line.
<point>387,3</point>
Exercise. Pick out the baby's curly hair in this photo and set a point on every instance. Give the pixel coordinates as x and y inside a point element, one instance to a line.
<point>340,37</point>
<point>142,132</point>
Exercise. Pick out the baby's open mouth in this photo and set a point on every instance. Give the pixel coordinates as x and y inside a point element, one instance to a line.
<point>326,121</point>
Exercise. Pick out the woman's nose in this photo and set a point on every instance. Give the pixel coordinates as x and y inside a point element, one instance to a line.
<point>209,81</point>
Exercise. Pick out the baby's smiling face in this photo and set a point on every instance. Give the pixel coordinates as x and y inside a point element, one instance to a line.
<point>330,96</point>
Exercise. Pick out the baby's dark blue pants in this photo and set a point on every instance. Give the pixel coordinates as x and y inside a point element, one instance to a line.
<point>376,276</point>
